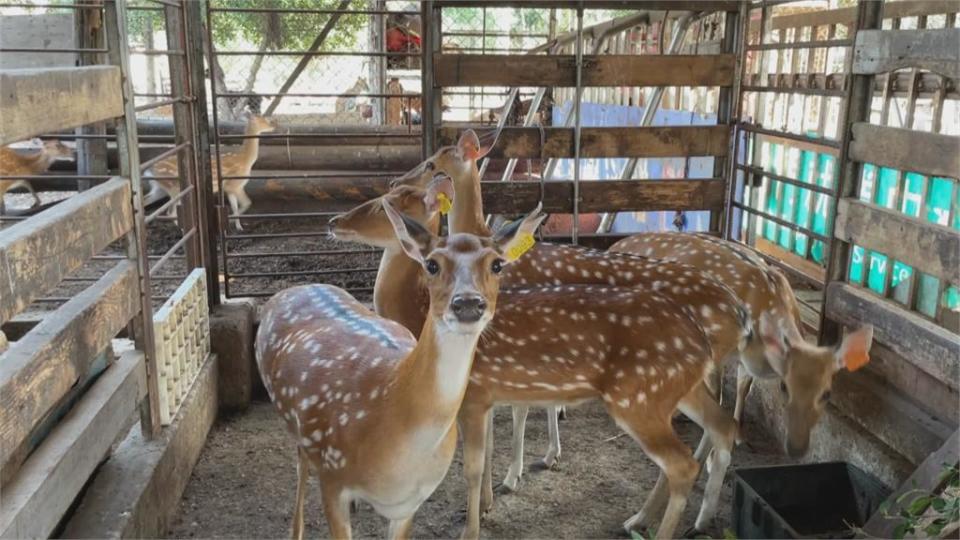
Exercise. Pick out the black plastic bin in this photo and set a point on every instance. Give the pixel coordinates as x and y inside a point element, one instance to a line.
<point>819,500</point>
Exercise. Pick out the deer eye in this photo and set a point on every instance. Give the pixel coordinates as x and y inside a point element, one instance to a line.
<point>825,397</point>
<point>783,388</point>
<point>433,267</point>
<point>497,266</point>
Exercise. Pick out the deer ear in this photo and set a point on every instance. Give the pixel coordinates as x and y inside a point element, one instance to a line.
<point>439,194</point>
<point>514,239</point>
<point>415,240</point>
<point>776,343</point>
<point>854,350</point>
<point>469,145</point>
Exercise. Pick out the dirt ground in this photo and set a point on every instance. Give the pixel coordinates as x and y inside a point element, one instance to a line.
<point>244,484</point>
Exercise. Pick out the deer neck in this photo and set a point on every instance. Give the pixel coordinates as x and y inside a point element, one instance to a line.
<point>431,382</point>
<point>250,149</point>
<point>398,292</point>
<point>466,216</point>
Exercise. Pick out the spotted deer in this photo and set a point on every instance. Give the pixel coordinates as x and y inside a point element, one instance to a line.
<point>779,352</point>
<point>372,408</point>
<point>233,163</point>
<point>13,163</point>
<point>567,344</point>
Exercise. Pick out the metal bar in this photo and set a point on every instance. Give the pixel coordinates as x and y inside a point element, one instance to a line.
<point>298,11</point>
<point>127,148</point>
<point>333,272</point>
<point>331,253</point>
<point>268,294</point>
<point>782,222</point>
<point>312,234</point>
<point>295,215</point>
<point>173,200</point>
<point>370,54</point>
<point>214,204</point>
<point>165,154</point>
<point>824,44</point>
<point>738,44</point>
<point>166,257</point>
<point>313,94</point>
<point>798,91</point>
<point>295,136</point>
<point>828,143</point>
<point>57,177</point>
<point>786,179</point>
<point>158,104</point>
<point>50,50</point>
<point>371,174</point>
<point>577,126</point>
<point>157,52</point>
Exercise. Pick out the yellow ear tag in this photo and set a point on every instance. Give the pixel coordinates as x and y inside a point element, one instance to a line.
<point>445,204</point>
<point>524,243</point>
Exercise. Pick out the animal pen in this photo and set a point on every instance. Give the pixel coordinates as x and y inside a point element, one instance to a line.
<point>819,137</point>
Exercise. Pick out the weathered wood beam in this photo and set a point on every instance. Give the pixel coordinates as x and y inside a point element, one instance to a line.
<point>36,101</point>
<point>931,348</point>
<point>667,141</point>
<point>882,51</point>
<point>36,254</point>
<point>601,70</point>
<point>891,10</point>
<point>928,247</point>
<point>45,488</point>
<point>39,369</point>
<point>906,150</point>
<point>927,478</point>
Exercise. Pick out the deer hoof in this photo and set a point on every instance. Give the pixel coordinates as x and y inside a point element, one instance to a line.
<point>552,463</point>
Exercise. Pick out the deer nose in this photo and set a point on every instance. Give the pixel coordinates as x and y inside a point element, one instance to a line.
<point>468,308</point>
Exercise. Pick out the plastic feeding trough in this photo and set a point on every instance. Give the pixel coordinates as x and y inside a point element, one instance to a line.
<point>820,500</point>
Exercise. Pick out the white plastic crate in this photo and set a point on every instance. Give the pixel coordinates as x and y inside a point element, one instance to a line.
<point>181,330</point>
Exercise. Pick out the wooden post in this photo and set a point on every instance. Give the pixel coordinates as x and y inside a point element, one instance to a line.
<point>206,202</point>
<point>431,112</point>
<point>859,94</point>
<point>128,149</point>
<point>91,153</point>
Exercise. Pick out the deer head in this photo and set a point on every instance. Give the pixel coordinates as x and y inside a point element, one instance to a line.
<point>55,149</point>
<point>462,271</point>
<point>368,223</point>
<point>257,124</point>
<point>806,372</point>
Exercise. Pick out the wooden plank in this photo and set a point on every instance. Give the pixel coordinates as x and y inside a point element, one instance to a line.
<point>882,51</point>
<point>668,141</point>
<point>847,16</point>
<point>604,196</point>
<point>931,248</point>
<point>907,150</point>
<point>602,70</point>
<point>36,101</point>
<point>136,493</point>
<point>927,477</point>
<point>36,254</point>
<point>45,488</point>
<point>38,370</point>
<point>657,5</point>
<point>931,348</point>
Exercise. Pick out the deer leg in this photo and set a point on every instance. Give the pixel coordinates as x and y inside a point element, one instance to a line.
<point>552,459</point>
<point>244,199</point>
<point>234,210</point>
<point>400,528</point>
<point>303,473</point>
<point>36,198</point>
<point>486,487</point>
<point>744,384</point>
<point>337,510</point>
<point>722,430</point>
<point>660,442</point>
<point>515,472</point>
<point>473,423</point>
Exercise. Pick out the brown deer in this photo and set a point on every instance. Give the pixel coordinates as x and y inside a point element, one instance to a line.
<point>233,163</point>
<point>572,343</point>
<point>373,409</point>
<point>14,163</point>
<point>805,371</point>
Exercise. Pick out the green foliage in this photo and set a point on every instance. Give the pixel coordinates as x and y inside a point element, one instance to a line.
<point>914,506</point>
<point>297,30</point>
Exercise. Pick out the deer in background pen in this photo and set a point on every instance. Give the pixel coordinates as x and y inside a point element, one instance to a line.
<point>237,163</point>
<point>574,343</point>
<point>13,163</point>
<point>373,409</point>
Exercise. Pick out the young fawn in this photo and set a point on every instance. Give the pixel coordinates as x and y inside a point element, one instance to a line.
<point>234,163</point>
<point>780,352</point>
<point>14,163</point>
<point>573,343</point>
<point>373,410</point>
